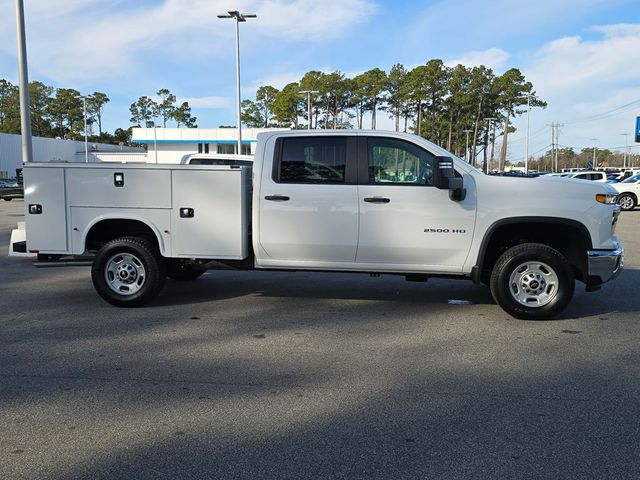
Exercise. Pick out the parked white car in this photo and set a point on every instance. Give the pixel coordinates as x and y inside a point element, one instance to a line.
<point>594,176</point>
<point>217,159</point>
<point>629,192</point>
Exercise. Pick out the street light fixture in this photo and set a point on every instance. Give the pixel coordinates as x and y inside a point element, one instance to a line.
<point>309,93</point>
<point>238,17</point>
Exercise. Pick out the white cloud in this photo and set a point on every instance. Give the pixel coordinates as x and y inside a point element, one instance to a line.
<point>494,58</point>
<point>75,40</point>
<point>571,64</point>
<point>205,102</point>
<point>583,78</point>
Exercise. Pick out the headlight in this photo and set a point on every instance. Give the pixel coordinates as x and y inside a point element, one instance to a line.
<point>607,198</point>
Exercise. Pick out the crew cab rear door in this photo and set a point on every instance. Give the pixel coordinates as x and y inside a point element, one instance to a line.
<point>405,222</point>
<point>309,202</point>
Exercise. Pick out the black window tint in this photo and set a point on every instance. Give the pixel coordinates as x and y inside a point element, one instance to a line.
<point>398,162</point>
<point>313,160</point>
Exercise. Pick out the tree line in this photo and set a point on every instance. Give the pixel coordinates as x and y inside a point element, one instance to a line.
<point>569,158</point>
<point>444,104</point>
<point>145,111</point>
<point>56,112</point>
<point>59,112</point>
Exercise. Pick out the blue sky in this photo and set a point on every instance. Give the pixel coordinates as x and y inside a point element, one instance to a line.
<point>581,55</point>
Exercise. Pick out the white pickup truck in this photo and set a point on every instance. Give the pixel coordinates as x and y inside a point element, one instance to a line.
<point>348,201</point>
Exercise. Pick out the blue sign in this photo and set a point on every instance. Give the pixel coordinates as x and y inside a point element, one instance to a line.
<point>589,165</point>
<point>638,129</point>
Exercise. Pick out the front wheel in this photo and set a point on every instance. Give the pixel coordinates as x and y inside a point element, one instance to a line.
<point>627,202</point>
<point>532,282</point>
<point>128,272</point>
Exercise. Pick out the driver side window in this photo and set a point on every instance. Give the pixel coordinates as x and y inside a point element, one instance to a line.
<point>397,162</point>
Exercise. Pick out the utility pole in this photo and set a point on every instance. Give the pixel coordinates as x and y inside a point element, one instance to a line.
<point>238,17</point>
<point>555,130</point>
<point>557,144</point>
<point>25,111</point>
<point>553,146</point>
<point>309,92</point>
<point>595,164</point>
<point>466,152</point>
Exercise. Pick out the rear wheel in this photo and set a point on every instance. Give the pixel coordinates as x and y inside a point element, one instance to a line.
<point>532,282</point>
<point>183,271</point>
<point>128,272</point>
<point>627,201</point>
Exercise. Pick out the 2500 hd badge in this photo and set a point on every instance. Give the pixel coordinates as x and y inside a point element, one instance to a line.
<point>444,230</point>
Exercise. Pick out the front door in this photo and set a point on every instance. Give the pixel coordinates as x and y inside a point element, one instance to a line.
<point>309,202</point>
<point>404,220</point>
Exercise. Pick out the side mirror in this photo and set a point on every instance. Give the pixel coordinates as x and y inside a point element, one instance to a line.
<point>443,172</point>
<point>444,178</point>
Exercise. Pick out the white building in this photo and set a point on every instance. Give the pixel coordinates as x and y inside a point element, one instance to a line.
<point>173,143</point>
<point>57,150</point>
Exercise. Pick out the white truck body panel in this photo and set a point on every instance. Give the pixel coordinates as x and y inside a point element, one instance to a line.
<point>94,187</point>
<point>48,230</point>
<point>220,226</point>
<point>76,197</point>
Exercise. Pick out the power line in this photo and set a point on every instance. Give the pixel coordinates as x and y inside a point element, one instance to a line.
<point>602,115</point>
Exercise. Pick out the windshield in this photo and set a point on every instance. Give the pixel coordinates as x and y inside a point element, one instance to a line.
<point>633,179</point>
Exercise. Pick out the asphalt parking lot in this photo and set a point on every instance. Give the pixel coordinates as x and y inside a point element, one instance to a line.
<point>295,375</point>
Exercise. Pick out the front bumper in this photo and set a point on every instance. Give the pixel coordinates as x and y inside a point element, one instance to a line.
<point>605,265</point>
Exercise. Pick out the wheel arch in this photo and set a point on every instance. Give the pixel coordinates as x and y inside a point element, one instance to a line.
<point>105,228</point>
<point>508,232</point>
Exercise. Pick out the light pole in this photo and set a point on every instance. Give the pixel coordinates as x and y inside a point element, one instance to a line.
<point>84,114</point>
<point>25,112</point>
<point>626,149</point>
<point>238,17</point>
<point>595,165</point>
<point>466,152</point>
<point>155,141</point>
<point>526,138</point>
<point>309,92</point>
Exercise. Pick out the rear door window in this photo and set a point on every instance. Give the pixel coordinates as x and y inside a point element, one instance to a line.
<point>312,160</point>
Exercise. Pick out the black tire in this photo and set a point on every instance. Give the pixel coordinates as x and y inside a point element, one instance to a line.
<point>543,258</point>
<point>152,269</point>
<point>182,271</point>
<point>629,201</point>
<point>7,199</point>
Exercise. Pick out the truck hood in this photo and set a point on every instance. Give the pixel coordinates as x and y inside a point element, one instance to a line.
<point>556,196</point>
